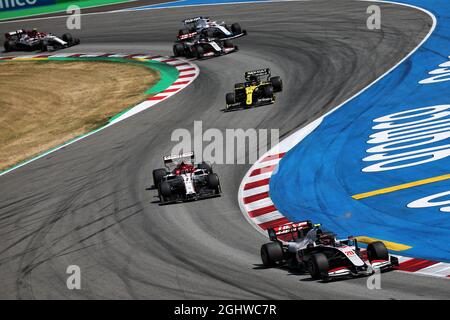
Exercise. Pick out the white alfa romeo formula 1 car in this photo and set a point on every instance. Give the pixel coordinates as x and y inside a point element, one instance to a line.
<point>183,180</point>
<point>30,40</point>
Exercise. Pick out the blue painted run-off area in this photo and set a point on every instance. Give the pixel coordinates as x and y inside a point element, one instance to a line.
<point>316,179</point>
<point>186,3</point>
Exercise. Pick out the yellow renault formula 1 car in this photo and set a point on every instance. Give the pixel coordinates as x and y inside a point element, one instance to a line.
<point>255,91</point>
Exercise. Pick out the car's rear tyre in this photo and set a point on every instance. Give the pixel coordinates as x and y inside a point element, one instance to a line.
<point>230,98</point>
<point>44,46</point>
<point>165,191</point>
<point>182,32</point>
<point>236,28</point>
<point>377,251</point>
<point>213,182</point>
<point>67,37</point>
<point>158,175</point>
<point>9,46</point>
<point>318,266</point>
<point>271,254</point>
<point>198,52</point>
<point>205,167</point>
<point>178,50</point>
<point>276,83</point>
<point>268,91</point>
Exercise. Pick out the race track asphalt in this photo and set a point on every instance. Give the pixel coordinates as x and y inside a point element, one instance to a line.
<point>88,204</point>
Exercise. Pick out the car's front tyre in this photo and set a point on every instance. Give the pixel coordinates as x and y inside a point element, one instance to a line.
<point>318,266</point>
<point>165,191</point>
<point>213,182</point>
<point>377,251</point>
<point>236,28</point>
<point>277,84</point>
<point>67,37</point>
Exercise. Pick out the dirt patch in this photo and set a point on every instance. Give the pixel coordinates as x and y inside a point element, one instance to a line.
<point>45,103</point>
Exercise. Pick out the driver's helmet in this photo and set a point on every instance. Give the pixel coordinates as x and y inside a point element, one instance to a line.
<point>253,80</point>
<point>33,33</point>
<point>183,168</point>
<point>326,239</point>
<point>204,34</point>
<point>302,232</point>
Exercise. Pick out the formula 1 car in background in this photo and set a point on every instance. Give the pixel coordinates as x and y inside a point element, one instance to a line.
<point>306,246</point>
<point>208,28</point>
<point>22,40</point>
<point>182,180</point>
<point>255,90</point>
<point>201,46</point>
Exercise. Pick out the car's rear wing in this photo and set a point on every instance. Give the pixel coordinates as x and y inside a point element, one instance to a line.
<point>10,34</point>
<point>257,73</point>
<point>192,20</point>
<point>171,158</point>
<point>288,228</point>
<point>187,36</point>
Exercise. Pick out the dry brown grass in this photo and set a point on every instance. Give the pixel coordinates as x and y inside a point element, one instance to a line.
<point>43,104</point>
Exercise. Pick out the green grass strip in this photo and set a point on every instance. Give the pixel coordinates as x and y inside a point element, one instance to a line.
<point>168,75</point>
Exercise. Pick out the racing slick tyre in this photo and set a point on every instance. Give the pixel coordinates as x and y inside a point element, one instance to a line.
<point>198,52</point>
<point>209,33</point>
<point>228,44</point>
<point>182,32</point>
<point>276,83</point>
<point>67,37</point>
<point>318,266</point>
<point>9,46</point>
<point>271,254</point>
<point>268,91</point>
<point>165,191</point>
<point>205,167</point>
<point>213,182</point>
<point>377,251</point>
<point>158,175</point>
<point>230,98</point>
<point>44,46</point>
<point>178,50</point>
<point>236,28</point>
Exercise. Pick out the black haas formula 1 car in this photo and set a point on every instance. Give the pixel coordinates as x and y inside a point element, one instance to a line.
<point>201,47</point>
<point>182,180</point>
<point>255,91</point>
<point>22,40</point>
<point>305,246</point>
<point>211,29</point>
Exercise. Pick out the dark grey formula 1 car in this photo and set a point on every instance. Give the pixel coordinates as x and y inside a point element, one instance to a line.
<point>209,28</point>
<point>199,47</point>
<point>305,246</point>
